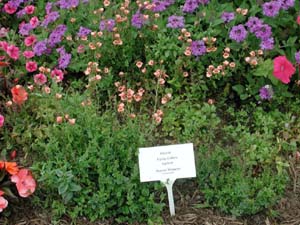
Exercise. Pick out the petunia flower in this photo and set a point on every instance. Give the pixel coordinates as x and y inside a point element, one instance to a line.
<point>1,120</point>
<point>283,69</point>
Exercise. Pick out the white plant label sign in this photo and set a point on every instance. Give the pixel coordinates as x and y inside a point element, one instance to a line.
<point>166,164</point>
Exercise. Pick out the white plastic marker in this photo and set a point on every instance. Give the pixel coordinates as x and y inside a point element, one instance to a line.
<point>166,164</point>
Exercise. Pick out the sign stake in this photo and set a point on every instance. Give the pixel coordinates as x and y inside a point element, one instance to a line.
<point>169,185</point>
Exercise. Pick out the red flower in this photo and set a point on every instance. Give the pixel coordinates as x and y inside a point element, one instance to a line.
<point>19,94</point>
<point>298,20</point>
<point>283,69</point>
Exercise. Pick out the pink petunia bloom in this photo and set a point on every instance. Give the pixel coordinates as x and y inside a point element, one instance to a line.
<point>31,66</point>
<point>283,69</point>
<point>28,54</point>
<point>34,22</point>
<point>3,203</point>
<point>13,52</point>
<point>298,20</point>
<point>24,182</point>
<point>4,45</point>
<point>1,120</point>
<point>30,40</point>
<point>58,75</point>
<point>9,8</point>
<point>29,9</point>
<point>40,79</point>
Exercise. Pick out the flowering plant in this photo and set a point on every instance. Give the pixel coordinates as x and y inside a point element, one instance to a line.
<point>11,173</point>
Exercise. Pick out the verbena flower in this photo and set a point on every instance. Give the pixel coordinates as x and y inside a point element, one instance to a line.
<point>238,33</point>
<point>266,92</point>
<point>198,48</point>
<point>297,57</point>
<point>137,20</point>
<point>108,25</point>
<point>175,22</point>
<point>40,47</point>
<point>227,16</point>
<point>25,28</point>
<point>190,6</point>
<point>263,32</point>
<point>267,44</point>
<point>253,24</point>
<point>271,8</point>
<point>83,32</point>
<point>56,35</point>
<point>161,5</point>
<point>51,17</point>
<point>68,4</point>
<point>286,4</point>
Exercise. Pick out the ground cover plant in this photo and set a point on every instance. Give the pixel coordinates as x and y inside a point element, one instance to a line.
<point>85,83</point>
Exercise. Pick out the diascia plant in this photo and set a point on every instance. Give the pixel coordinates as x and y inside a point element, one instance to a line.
<point>13,177</point>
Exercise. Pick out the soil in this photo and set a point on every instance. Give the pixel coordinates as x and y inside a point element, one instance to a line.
<point>187,212</point>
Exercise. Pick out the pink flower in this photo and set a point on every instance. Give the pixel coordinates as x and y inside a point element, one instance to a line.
<point>25,183</point>
<point>31,66</point>
<point>28,54</point>
<point>9,8</point>
<point>58,75</point>
<point>40,79</point>
<point>1,120</point>
<point>13,52</point>
<point>298,20</point>
<point>30,40</point>
<point>4,45</point>
<point>34,22</point>
<point>3,203</point>
<point>283,69</point>
<point>29,9</point>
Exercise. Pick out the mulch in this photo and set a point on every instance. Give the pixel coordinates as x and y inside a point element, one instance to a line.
<point>187,212</point>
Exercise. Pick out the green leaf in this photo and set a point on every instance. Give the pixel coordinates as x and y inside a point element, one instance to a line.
<point>239,88</point>
<point>8,192</point>
<point>264,69</point>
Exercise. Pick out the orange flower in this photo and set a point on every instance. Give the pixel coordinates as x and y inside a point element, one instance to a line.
<point>19,94</point>
<point>11,168</point>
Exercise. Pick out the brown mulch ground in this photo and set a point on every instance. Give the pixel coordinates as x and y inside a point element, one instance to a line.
<point>186,211</point>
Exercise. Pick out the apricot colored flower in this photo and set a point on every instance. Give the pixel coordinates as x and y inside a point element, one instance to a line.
<point>11,168</point>
<point>283,69</point>
<point>19,94</point>
<point>25,183</point>
<point>3,203</point>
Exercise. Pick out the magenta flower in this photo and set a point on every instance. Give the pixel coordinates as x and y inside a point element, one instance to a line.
<point>1,120</point>
<point>40,79</point>
<point>31,66</point>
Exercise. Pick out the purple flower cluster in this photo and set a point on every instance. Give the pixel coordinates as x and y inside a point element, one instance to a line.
<point>83,32</point>
<point>198,48</point>
<point>238,33</point>
<point>64,58</point>
<point>40,47</point>
<point>227,16</point>
<point>191,5</point>
<point>15,3</point>
<point>261,31</point>
<point>48,7</point>
<point>25,28</point>
<point>175,22</point>
<point>161,5</point>
<point>273,7</point>
<point>297,57</point>
<point>56,35</point>
<point>67,4</point>
<point>50,18</point>
<point>138,20</point>
<point>108,25</point>
<point>266,92</point>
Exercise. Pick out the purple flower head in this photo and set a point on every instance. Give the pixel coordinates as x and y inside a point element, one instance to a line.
<point>56,35</point>
<point>64,60</point>
<point>161,5</point>
<point>266,92</point>
<point>198,48</point>
<point>267,44</point>
<point>227,16</point>
<point>83,32</point>
<point>138,20</point>
<point>263,32</point>
<point>253,24</point>
<point>286,4</point>
<point>50,18</point>
<point>107,25</point>
<point>21,13</point>
<point>61,50</point>
<point>297,57</point>
<point>40,47</point>
<point>48,7</point>
<point>238,33</point>
<point>175,22</point>
<point>190,6</point>
<point>68,4</point>
<point>15,3</point>
<point>271,9</point>
<point>25,28</point>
